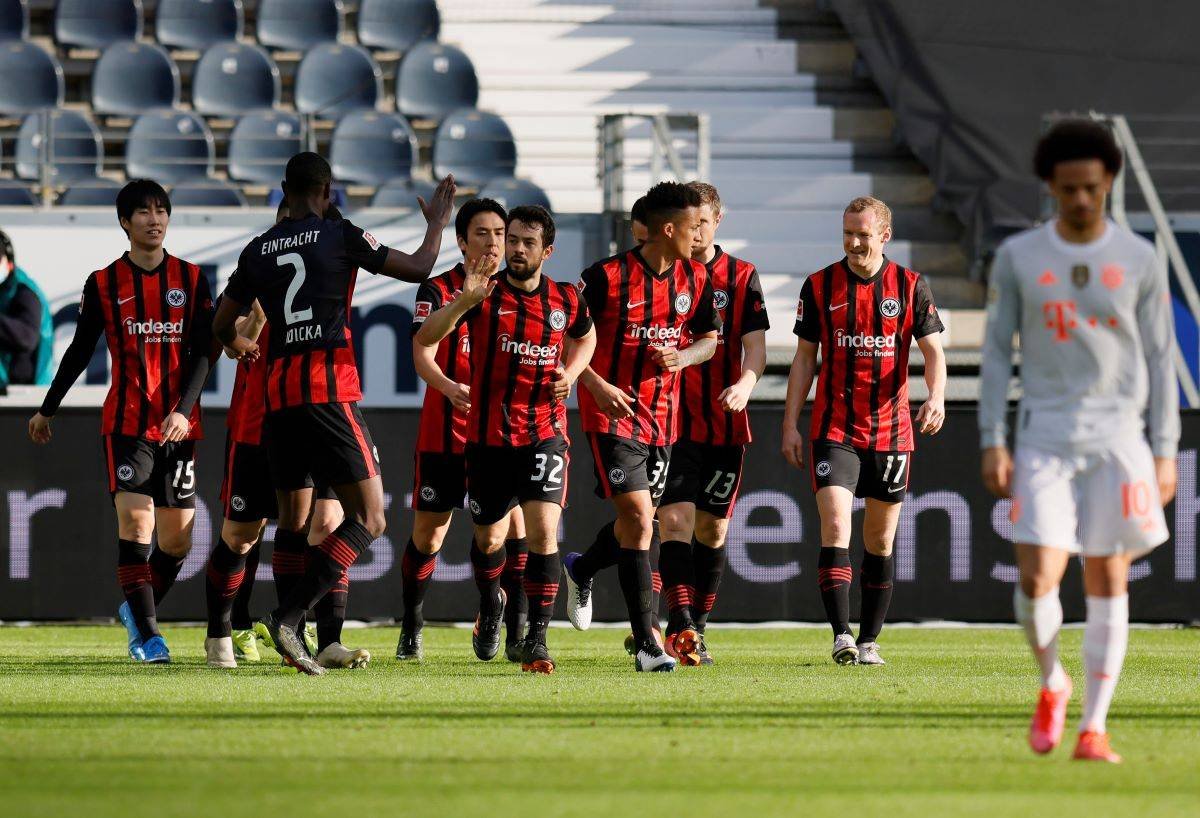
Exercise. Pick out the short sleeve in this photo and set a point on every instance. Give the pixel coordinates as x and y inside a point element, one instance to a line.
<point>240,287</point>
<point>593,285</point>
<point>926,320</point>
<point>363,249</point>
<point>429,300</point>
<point>754,307</point>
<point>808,316</point>
<point>582,323</point>
<point>705,317</point>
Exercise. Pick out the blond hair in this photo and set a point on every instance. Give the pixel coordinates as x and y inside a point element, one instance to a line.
<point>883,213</point>
<point>708,195</point>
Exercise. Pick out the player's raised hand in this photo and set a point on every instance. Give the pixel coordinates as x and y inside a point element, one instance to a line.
<point>793,447</point>
<point>39,428</point>
<point>460,396</point>
<point>561,388</point>
<point>174,428</point>
<point>931,416</point>
<point>1166,473</point>
<point>612,401</point>
<point>735,398</point>
<point>480,279</point>
<point>997,471</point>
<point>667,358</point>
<point>439,208</point>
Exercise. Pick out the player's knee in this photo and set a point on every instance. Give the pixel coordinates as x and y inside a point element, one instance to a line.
<point>639,523</point>
<point>489,542</point>
<point>177,545</point>
<point>675,524</point>
<point>712,532</point>
<point>835,531</point>
<point>878,546</point>
<point>375,522</point>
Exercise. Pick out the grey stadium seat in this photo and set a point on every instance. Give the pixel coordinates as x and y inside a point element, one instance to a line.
<point>13,194</point>
<point>171,147</point>
<point>433,80</point>
<point>97,23</point>
<point>197,24</point>
<point>213,193</point>
<point>515,192</point>
<point>98,192</point>
<point>397,25</point>
<point>233,78</point>
<point>30,79</point>
<point>333,80</point>
<point>403,193</point>
<point>75,149</point>
<point>475,146</point>
<point>261,144</point>
<point>130,78</point>
<point>370,148</point>
<point>14,20</point>
<point>298,25</point>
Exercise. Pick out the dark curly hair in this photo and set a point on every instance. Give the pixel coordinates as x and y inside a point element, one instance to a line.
<point>1074,139</point>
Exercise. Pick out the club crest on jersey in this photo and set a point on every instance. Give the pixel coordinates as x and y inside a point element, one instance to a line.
<point>176,297</point>
<point>1080,275</point>
<point>823,468</point>
<point>616,476</point>
<point>683,303</point>
<point>428,494</point>
<point>889,308</point>
<point>475,507</point>
<point>720,299</point>
<point>558,320</point>
<point>125,473</point>
<point>237,503</point>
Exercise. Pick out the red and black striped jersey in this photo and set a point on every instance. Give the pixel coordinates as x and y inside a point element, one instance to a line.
<point>443,429</point>
<point>864,327</point>
<point>247,403</point>
<point>156,322</point>
<point>517,340</point>
<point>738,298</point>
<point>302,271</point>
<point>636,310</point>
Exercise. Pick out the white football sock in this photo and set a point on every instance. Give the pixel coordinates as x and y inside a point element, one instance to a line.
<point>1042,618</point>
<point>1105,637</point>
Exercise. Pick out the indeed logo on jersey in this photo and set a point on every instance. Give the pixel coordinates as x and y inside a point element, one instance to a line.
<point>156,332</point>
<point>872,346</point>
<point>657,335</point>
<point>531,354</point>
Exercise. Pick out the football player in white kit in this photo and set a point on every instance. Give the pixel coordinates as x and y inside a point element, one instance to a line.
<point>1092,306</point>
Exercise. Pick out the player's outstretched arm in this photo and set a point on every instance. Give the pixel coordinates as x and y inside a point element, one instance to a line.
<point>417,266</point>
<point>932,413</point>
<point>754,361</point>
<point>800,378</point>
<point>224,329</point>
<point>478,285</point>
<point>88,329</point>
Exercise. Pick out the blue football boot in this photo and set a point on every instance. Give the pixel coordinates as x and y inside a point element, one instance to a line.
<point>131,629</point>
<point>155,650</point>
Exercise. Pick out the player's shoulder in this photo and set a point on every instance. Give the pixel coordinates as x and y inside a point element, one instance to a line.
<point>610,263</point>
<point>449,280</point>
<point>1032,238</point>
<point>563,289</point>
<point>1139,247</point>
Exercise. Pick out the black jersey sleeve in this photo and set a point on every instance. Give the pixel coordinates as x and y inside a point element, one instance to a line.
<point>593,285</point>
<point>363,249</point>
<point>808,316</point>
<point>582,321</point>
<point>705,317</point>
<point>429,300</point>
<point>926,320</point>
<point>240,287</point>
<point>754,306</point>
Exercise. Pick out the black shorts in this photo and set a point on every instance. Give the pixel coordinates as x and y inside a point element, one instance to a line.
<point>500,477</point>
<point>706,475</point>
<point>166,473</point>
<point>439,481</point>
<point>247,493</point>
<point>878,475</point>
<point>623,466</point>
<point>326,444</point>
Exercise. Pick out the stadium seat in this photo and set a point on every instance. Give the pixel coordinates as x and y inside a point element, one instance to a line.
<point>403,193</point>
<point>76,150</point>
<point>17,195</point>
<point>475,146</point>
<point>210,194</point>
<point>197,24</point>
<point>433,80</point>
<point>233,78</point>
<point>333,80</point>
<point>261,144</point>
<point>298,25</point>
<point>30,79</point>
<point>514,192</point>
<point>98,192</point>
<point>14,20</point>
<point>97,23</point>
<point>370,148</point>
<point>131,78</point>
<point>171,147</point>
<point>397,25</point>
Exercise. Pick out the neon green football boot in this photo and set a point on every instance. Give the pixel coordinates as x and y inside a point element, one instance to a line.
<point>245,646</point>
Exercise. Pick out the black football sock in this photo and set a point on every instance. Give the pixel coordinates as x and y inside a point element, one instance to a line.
<point>330,611</point>
<point>335,554</point>
<point>875,578</point>
<point>833,578</point>
<point>542,573</point>
<point>675,565</point>
<point>163,570</point>
<point>240,617</point>
<point>656,583</point>
<point>287,561</point>
<point>416,571</point>
<point>487,568</point>
<point>633,572</point>
<point>603,553</point>
<point>133,573</point>
<point>222,577</point>
<point>516,609</point>
<point>708,565</point>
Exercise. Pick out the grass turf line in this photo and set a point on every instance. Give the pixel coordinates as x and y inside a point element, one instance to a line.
<point>773,728</point>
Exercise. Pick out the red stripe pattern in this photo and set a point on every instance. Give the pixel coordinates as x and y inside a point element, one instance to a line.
<point>248,403</point>
<point>132,577</point>
<point>421,573</point>
<point>443,429</point>
<point>338,550</point>
<point>708,602</point>
<point>655,582</point>
<point>830,578</point>
<point>679,596</point>
<point>284,562</point>
<point>544,592</point>
<point>226,585</point>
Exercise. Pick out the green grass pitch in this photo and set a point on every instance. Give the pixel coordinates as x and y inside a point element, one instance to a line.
<point>773,729</point>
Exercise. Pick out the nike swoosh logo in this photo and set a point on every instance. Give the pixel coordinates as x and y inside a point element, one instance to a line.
<point>121,301</point>
<point>838,307</point>
<point>896,489</point>
<point>184,496</point>
<point>505,312</point>
<point>630,305</point>
<point>551,488</point>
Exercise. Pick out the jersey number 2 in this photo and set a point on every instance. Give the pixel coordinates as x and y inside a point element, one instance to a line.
<point>296,262</point>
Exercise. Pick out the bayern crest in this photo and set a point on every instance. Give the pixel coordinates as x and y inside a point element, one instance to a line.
<point>176,297</point>
<point>683,303</point>
<point>558,320</point>
<point>720,299</point>
<point>889,308</point>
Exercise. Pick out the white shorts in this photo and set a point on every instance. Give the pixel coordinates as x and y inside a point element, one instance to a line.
<point>1096,504</point>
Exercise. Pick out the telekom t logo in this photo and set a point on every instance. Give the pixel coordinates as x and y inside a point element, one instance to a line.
<point>1060,317</point>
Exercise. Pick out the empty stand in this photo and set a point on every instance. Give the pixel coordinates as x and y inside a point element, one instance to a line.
<point>197,24</point>
<point>97,23</point>
<point>72,151</point>
<point>397,25</point>
<point>30,79</point>
<point>171,147</point>
<point>515,192</point>
<point>261,143</point>
<point>209,194</point>
<point>370,148</point>
<point>130,78</point>
<point>101,192</point>
<point>14,20</point>
<point>476,146</point>
<point>435,79</point>
<point>13,194</point>
<point>298,25</point>
<point>233,78</point>
<point>403,193</point>
<point>335,79</point>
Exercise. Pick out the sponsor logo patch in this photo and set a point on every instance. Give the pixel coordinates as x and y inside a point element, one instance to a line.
<point>371,240</point>
<point>423,310</point>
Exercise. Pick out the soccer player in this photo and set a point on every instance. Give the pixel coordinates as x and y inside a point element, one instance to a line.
<point>155,312</point>
<point>1091,303</point>
<point>863,313</point>
<point>642,301</point>
<point>302,271</point>
<point>440,472</point>
<point>530,340</point>
<point>706,462</point>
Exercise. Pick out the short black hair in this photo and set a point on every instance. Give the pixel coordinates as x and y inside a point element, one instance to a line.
<point>6,249</point>
<point>471,209</point>
<point>1074,139</point>
<point>666,200</point>
<point>307,172</point>
<point>534,215</point>
<point>638,212</point>
<point>141,193</point>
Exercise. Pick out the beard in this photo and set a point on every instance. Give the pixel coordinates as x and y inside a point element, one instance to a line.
<point>524,273</point>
